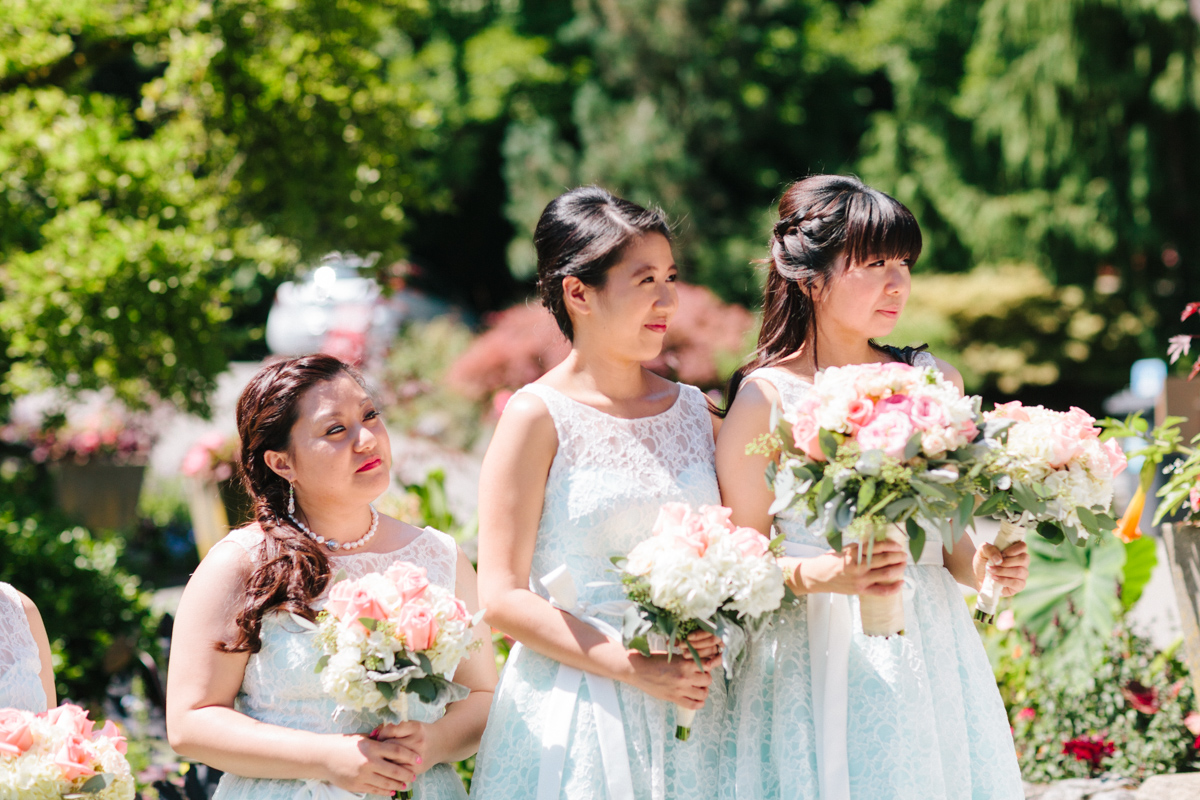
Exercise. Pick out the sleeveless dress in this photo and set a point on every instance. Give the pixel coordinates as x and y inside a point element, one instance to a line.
<point>606,484</point>
<point>20,664</point>
<point>916,717</point>
<point>281,688</point>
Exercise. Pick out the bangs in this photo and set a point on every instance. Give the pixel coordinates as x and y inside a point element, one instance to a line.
<point>879,226</point>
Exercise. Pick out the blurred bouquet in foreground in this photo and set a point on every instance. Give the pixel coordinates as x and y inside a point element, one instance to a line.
<point>697,571</point>
<point>388,635</point>
<point>1049,469</point>
<point>877,451</point>
<point>59,753</point>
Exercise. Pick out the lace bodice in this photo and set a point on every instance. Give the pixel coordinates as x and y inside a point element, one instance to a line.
<point>280,686</point>
<point>791,389</point>
<point>20,664</point>
<point>609,478</point>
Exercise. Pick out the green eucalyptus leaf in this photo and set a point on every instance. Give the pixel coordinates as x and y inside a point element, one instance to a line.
<point>829,444</point>
<point>916,538</point>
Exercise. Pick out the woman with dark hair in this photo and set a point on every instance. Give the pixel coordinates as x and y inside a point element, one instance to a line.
<point>579,466</point>
<point>821,709</point>
<point>242,692</point>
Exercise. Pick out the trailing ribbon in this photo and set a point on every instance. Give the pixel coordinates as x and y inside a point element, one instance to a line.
<point>829,629</point>
<point>560,709</point>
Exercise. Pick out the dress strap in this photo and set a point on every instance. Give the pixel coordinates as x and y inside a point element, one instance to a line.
<point>446,558</point>
<point>249,538</point>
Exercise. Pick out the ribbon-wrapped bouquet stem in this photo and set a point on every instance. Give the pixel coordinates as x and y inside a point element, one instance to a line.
<point>387,636</point>
<point>1048,469</point>
<point>876,451</point>
<point>698,572</point>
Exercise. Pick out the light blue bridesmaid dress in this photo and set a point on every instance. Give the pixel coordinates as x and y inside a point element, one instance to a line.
<point>20,663</point>
<point>606,484</point>
<point>281,688</point>
<point>916,717</point>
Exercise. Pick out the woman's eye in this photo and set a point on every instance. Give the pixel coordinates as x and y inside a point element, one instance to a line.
<point>334,429</point>
<point>372,414</point>
<point>674,276</point>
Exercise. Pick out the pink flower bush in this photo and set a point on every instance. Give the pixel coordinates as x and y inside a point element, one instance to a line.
<point>211,457</point>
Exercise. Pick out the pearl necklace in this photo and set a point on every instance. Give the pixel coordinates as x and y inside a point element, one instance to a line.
<point>333,544</point>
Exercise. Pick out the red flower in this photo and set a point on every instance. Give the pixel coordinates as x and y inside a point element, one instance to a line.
<point>1141,698</point>
<point>1092,749</point>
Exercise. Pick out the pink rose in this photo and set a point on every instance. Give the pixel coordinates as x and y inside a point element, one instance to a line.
<point>1064,445</point>
<point>76,758</point>
<point>1081,424</point>
<point>461,612</point>
<point>112,732</point>
<point>1116,457</point>
<point>350,602</point>
<point>750,543</point>
<point>693,534</point>
<point>670,517</point>
<point>716,517</point>
<point>411,581</point>
<point>807,438</point>
<point>1194,498</point>
<point>15,736</point>
<point>888,432</point>
<point>1013,410</point>
<point>926,414</point>
<point>70,718</point>
<point>859,412</point>
<point>897,402</point>
<point>417,625</point>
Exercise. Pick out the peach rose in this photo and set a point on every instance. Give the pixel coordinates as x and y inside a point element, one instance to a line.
<point>750,543</point>
<point>411,581</point>
<point>1116,457</point>
<point>113,733</point>
<point>807,437</point>
<point>15,736</point>
<point>670,517</point>
<point>76,758</point>
<point>72,718</point>
<point>859,412</point>
<point>417,625</point>
<point>1013,410</point>
<point>347,602</point>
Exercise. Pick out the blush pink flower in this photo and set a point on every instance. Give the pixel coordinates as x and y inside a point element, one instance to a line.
<point>1116,457</point>
<point>1081,424</point>
<point>901,403</point>
<point>417,624</point>
<point>71,718</point>
<point>15,735</point>
<point>411,581</point>
<point>807,438</point>
<point>113,734</point>
<point>926,414</point>
<point>350,603</point>
<point>888,432</point>
<point>76,758</point>
<point>694,534</point>
<point>750,543</point>
<point>860,412</point>
<point>1013,410</point>
<point>670,517</point>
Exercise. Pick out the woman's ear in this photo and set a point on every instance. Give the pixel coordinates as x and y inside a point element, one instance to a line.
<point>279,463</point>
<point>576,297</point>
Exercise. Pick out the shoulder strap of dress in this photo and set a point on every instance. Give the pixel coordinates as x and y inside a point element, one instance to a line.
<point>781,379</point>
<point>449,554</point>
<point>14,599</point>
<point>249,539</point>
<point>917,356</point>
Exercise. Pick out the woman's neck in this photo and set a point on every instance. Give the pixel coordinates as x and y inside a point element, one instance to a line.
<point>833,350</point>
<point>611,376</point>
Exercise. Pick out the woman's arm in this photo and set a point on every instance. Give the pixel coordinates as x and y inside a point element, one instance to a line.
<point>744,489</point>
<point>202,683</point>
<point>512,489</point>
<point>42,640</point>
<point>456,735</point>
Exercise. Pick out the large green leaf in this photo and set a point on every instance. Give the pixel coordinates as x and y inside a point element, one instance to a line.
<point>1061,579</point>
<point>1141,556</point>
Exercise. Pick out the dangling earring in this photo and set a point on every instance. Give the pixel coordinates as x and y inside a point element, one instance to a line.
<point>291,500</point>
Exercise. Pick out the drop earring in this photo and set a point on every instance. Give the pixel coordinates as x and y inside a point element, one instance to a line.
<point>291,500</point>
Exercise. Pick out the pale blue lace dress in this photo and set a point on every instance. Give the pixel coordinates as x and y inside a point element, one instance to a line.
<point>924,719</point>
<point>606,484</point>
<point>281,688</point>
<point>20,664</point>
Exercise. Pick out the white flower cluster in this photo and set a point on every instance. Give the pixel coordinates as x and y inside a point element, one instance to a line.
<point>45,756</point>
<point>1061,453</point>
<point>374,629</point>
<point>697,563</point>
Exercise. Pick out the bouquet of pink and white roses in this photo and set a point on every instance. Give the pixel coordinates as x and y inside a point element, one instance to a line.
<point>59,753</point>
<point>1049,469</point>
<point>698,572</point>
<point>877,451</point>
<point>388,635</point>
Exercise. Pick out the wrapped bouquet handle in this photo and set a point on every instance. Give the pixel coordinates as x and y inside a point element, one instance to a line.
<point>610,726</point>
<point>883,615</point>
<point>989,593</point>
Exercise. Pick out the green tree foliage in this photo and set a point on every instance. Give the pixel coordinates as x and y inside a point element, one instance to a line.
<point>162,162</point>
<point>707,108</point>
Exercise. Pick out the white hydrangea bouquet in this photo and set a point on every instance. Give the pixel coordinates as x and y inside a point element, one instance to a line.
<point>386,636</point>
<point>697,571</point>
<point>1049,469</point>
<point>60,754</point>
<point>878,451</point>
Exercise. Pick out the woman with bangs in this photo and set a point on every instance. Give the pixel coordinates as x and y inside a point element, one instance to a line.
<point>822,710</point>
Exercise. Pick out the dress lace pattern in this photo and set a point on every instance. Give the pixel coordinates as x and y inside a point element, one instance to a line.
<point>281,688</point>
<point>924,720</point>
<point>20,664</point>
<point>606,484</point>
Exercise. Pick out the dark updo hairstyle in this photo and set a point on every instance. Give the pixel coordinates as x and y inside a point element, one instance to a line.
<point>822,218</point>
<point>582,234</point>
<point>291,570</point>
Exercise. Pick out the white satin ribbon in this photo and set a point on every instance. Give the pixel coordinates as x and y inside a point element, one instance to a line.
<point>829,630</point>
<point>560,708</point>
